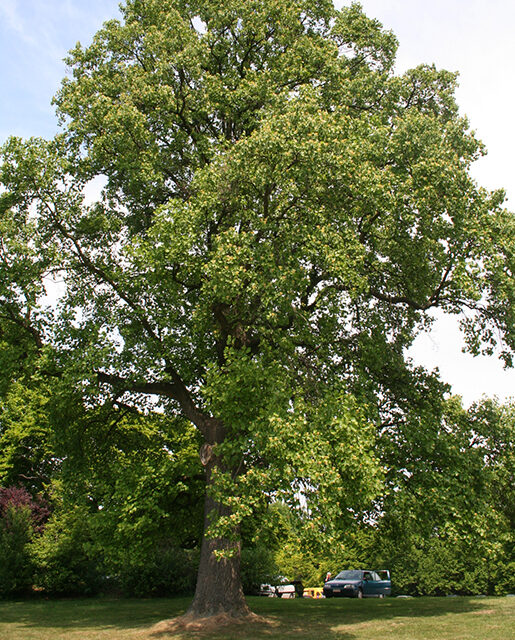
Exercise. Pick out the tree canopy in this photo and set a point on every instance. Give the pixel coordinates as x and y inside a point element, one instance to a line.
<point>280,213</point>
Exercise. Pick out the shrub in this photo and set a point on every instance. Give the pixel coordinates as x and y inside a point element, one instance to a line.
<point>20,518</point>
<point>20,497</point>
<point>16,569</point>
<point>164,571</point>
<point>65,557</point>
<point>504,578</point>
<point>438,567</point>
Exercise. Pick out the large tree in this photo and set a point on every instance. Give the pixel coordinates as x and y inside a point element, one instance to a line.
<point>280,214</point>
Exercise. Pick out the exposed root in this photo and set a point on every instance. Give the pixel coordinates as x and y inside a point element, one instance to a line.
<point>191,623</point>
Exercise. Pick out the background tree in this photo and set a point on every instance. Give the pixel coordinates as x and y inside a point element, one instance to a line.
<point>128,494</point>
<point>445,521</point>
<point>124,490</point>
<point>280,214</point>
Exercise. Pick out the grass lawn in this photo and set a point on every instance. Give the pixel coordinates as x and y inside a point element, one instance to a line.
<point>336,619</point>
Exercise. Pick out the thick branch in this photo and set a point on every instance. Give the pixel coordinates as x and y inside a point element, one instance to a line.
<point>175,390</point>
<point>24,323</point>
<point>410,302</point>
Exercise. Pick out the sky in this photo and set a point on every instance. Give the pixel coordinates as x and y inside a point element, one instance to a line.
<point>473,37</point>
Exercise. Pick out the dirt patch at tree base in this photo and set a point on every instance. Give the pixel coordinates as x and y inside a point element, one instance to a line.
<point>190,623</point>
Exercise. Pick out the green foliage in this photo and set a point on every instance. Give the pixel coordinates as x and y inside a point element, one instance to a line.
<point>504,577</point>
<point>298,563</point>
<point>445,522</point>
<point>258,566</point>
<point>280,216</point>
<point>140,476</point>
<point>16,568</point>
<point>21,518</point>
<point>65,557</point>
<point>126,500</point>
<point>27,452</point>
<point>442,565</point>
<point>161,571</point>
<point>112,504</point>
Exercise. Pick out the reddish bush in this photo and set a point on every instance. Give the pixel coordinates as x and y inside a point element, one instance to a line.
<point>20,497</point>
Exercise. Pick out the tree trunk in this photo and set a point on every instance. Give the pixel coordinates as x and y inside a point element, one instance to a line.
<point>219,589</point>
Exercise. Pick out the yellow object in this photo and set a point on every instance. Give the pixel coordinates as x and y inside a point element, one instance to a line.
<point>313,592</point>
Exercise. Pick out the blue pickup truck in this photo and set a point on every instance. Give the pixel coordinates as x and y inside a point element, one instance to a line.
<point>361,583</point>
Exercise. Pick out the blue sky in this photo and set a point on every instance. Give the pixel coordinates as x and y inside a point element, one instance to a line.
<point>35,36</point>
<point>473,37</point>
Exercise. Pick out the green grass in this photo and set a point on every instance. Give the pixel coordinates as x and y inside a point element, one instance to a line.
<point>336,619</point>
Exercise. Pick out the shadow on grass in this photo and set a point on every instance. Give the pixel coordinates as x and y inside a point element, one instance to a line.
<point>91,612</point>
<point>302,619</point>
<point>339,618</point>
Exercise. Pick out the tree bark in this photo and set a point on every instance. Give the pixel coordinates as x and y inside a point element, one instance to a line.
<point>219,589</point>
